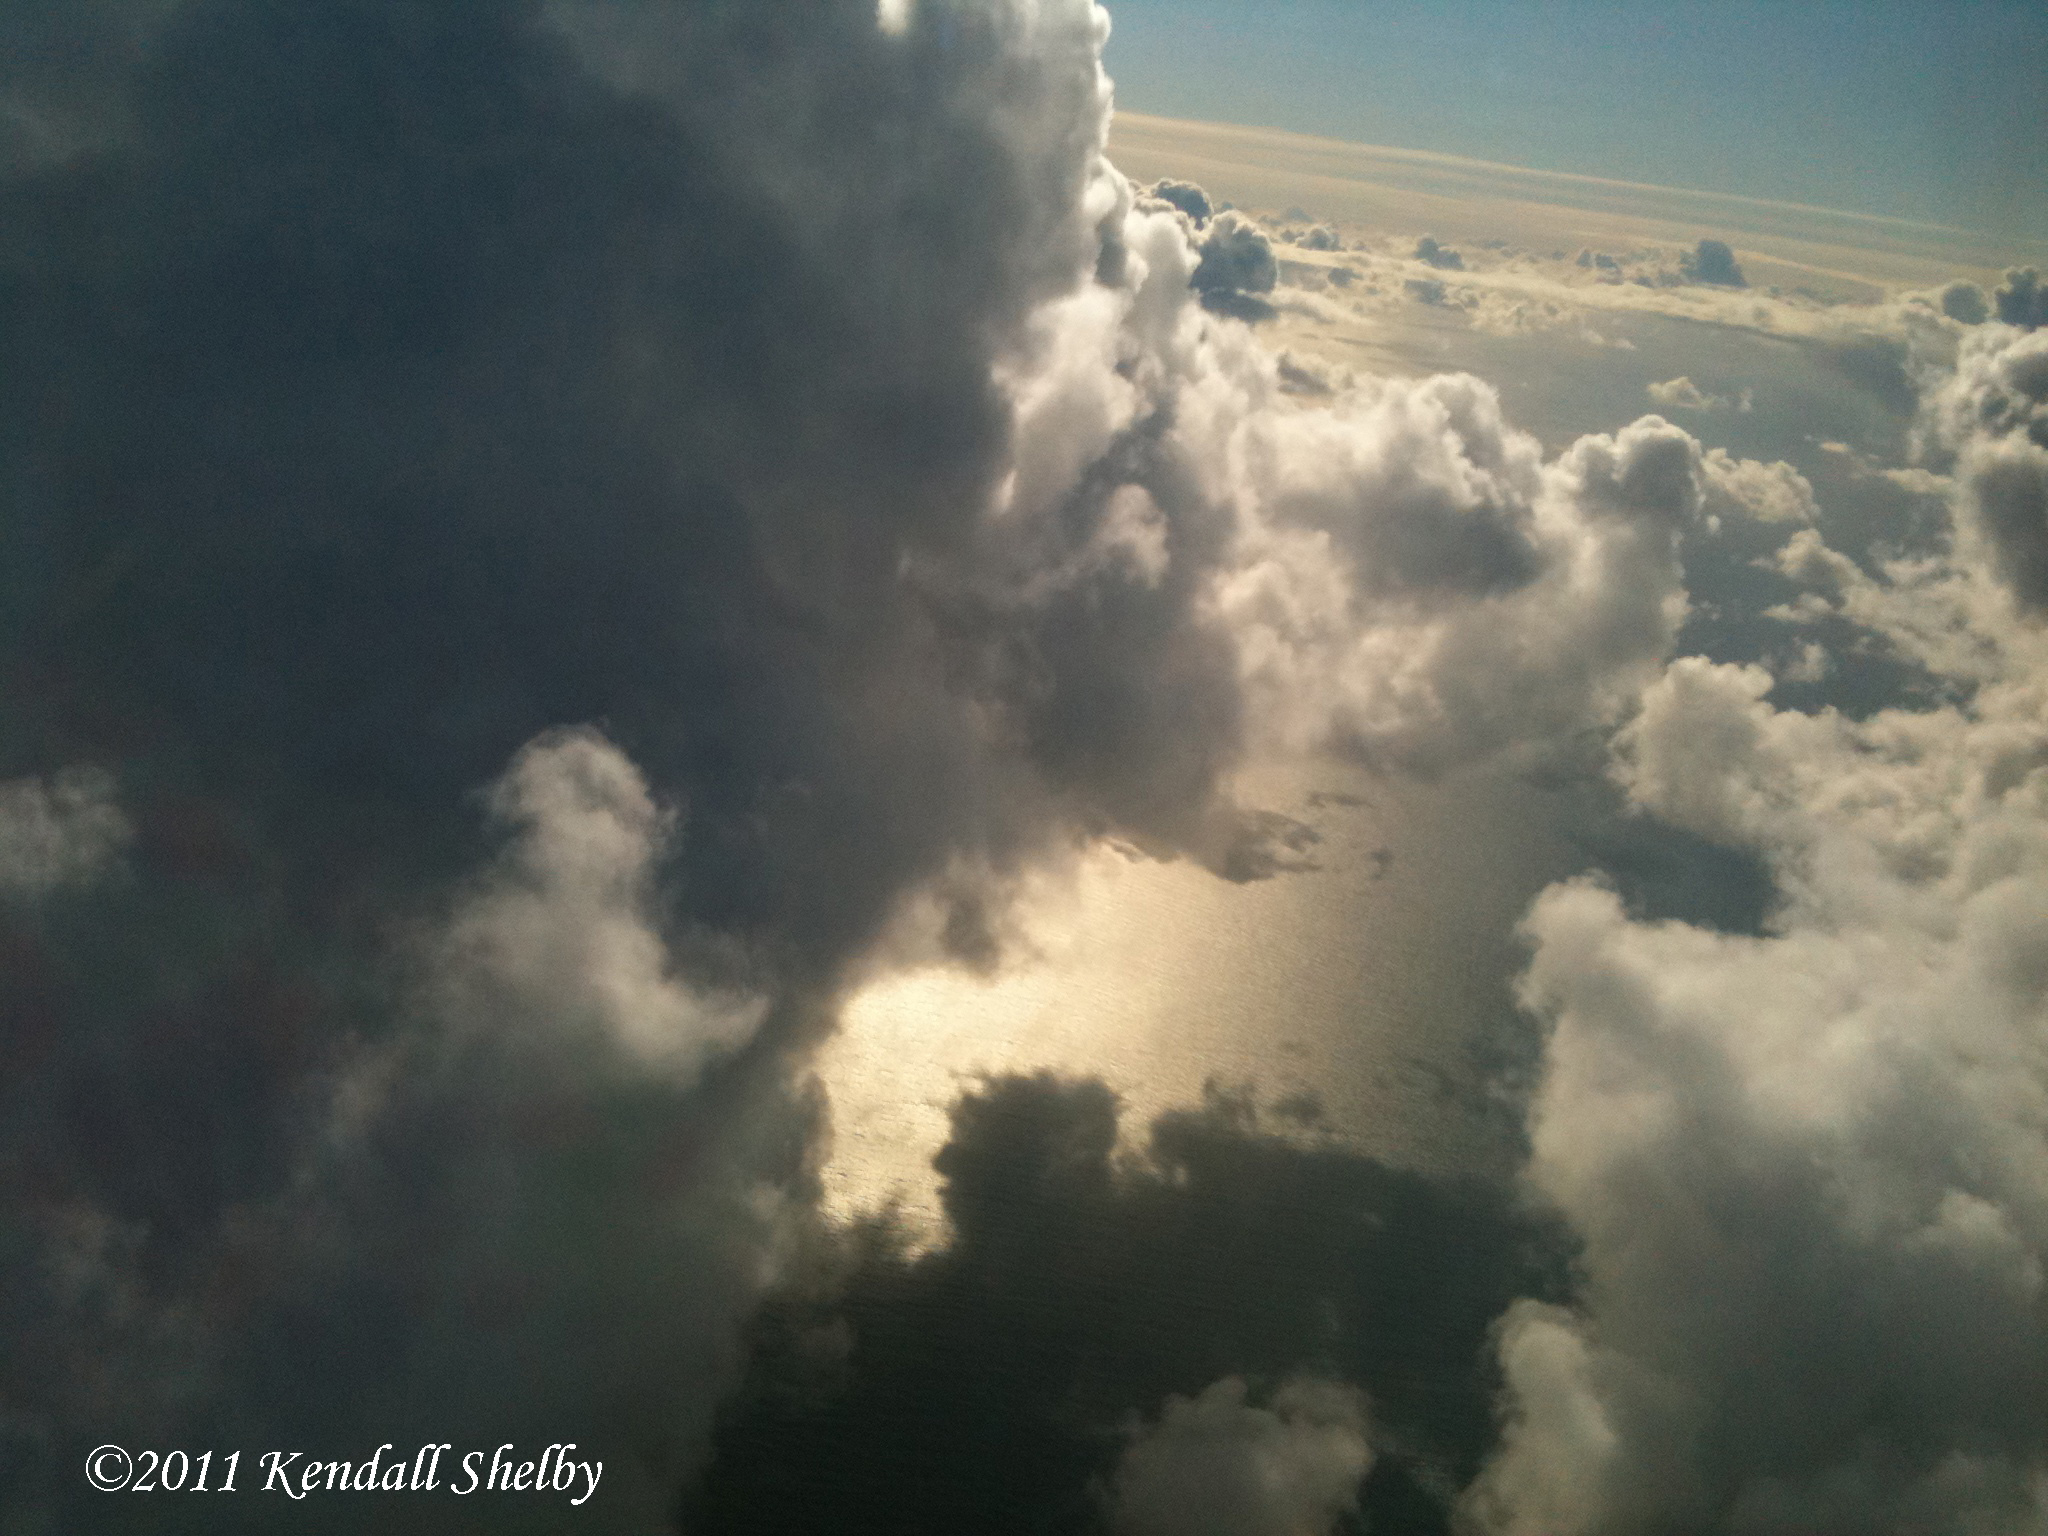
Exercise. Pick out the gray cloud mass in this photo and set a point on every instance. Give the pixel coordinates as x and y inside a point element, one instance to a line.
<point>1237,265</point>
<point>1711,261</point>
<point>1184,195</point>
<point>2022,299</point>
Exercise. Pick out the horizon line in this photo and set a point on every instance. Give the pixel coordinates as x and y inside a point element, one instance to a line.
<point>1448,159</point>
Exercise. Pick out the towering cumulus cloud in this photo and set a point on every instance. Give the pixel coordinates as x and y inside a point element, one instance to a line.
<point>535,532</point>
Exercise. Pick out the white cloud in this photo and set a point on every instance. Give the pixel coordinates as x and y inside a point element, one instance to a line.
<point>1811,664</point>
<point>1807,1165</point>
<point>60,832</point>
<point>560,936</point>
<point>1770,493</point>
<point>1682,394</point>
<point>1423,587</point>
<point>1990,421</point>
<point>1216,1465</point>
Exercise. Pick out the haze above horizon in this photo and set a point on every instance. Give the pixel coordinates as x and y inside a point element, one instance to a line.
<point>1848,108</point>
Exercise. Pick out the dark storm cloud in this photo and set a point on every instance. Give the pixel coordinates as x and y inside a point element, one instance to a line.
<point>389,385</point>
<point>995,1384</point>
<point>527,422</point>
<point>1712,262</point>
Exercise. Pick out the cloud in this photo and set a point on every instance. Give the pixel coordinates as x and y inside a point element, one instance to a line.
<point>555,579</point>
<point>1682,394</point>
<point>1987,425</point>
<point>1965,302</point>
<point>1805,1162</point>
<point>562,935</point>
<point>1855,1087</point>
<point>503,1196</point>
<point>1805,558</point>
<point>564,524</point>
<point>1770,493</point>
<point>1811,664</point>
<point>1214,1465</point>
<point>1236,264</point>
<point>1518,602</point>
<point>2022,299</point>
<point>1429,252</point>
<point>1184,195</point>
<point>479,374</point>
<point>1712,262</point>
<point>58,833</point>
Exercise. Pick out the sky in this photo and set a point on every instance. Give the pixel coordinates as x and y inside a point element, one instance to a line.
<point>1832,105</point>
<point>745,756</point>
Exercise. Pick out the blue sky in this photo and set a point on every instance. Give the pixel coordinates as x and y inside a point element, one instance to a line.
<point>1934,112</point>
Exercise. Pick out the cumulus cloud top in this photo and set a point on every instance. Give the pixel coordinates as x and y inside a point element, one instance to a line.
<point>1518,600</point>
<point>1684,395</point>
<point>1855,1086</point>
